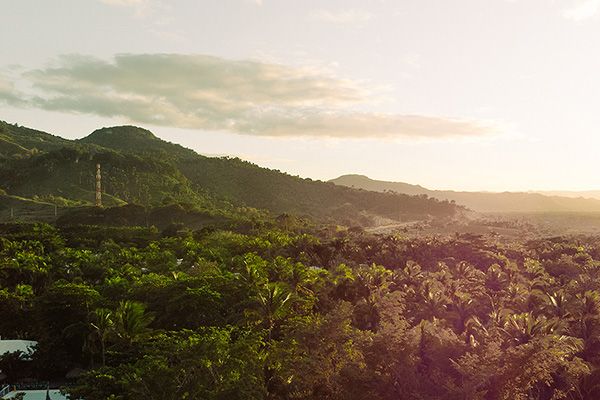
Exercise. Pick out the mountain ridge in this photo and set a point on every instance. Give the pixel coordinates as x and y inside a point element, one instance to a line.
<point>506,202</point>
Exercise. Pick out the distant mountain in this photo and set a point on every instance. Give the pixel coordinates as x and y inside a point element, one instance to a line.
<point>586,194</point>
<point>139,168</point>
<point>519,202</point>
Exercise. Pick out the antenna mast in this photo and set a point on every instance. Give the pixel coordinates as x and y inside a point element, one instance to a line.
<point>98,186</point>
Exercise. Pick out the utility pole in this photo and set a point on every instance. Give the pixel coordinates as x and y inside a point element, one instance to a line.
<point>98,186</point>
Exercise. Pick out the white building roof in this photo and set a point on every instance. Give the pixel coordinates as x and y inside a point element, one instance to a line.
<point>10,346</point>
<point>37,395</point>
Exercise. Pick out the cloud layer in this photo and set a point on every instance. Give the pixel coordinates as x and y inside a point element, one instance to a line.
<point>205,92</point>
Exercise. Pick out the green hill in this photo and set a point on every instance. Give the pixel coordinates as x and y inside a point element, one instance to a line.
<point>138,167</point>
<point>132,139</point>
<point>22,141</point>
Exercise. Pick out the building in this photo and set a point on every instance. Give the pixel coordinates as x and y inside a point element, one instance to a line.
<point>52,394</point>
<point>27,347</point>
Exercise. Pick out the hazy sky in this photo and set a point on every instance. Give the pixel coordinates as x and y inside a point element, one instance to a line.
<point>458,94</point>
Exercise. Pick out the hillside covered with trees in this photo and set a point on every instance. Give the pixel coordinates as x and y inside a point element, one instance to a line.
<point>139,168</point>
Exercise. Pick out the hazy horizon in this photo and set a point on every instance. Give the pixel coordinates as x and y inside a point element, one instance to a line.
<point>463,96</point>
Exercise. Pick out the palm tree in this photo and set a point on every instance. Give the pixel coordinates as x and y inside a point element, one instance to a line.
<point>272,303</point>
<point>131,320</point>
<point>587,324</point>
<point>411,274</point>
<point>467,275</point>
<point>557,305</point>
<point>522,328</point>
<point>588,305</point>
<point>474,330</point>
<point>460,309</point>
<point>433,300</point>
<point>517,297</point>
<point>300,278</point>
<point>496,279</point>
<point>252,274</point>
<point>102,326</point>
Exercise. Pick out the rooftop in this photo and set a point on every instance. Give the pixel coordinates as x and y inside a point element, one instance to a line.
<point>37,394</point>
<point>10,346</point>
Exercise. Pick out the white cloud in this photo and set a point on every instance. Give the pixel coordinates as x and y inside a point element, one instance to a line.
<point>8,92</point>
<point>355,124</point>
<point>583,10</point>
<point>205,92</point>
<point>351,16</point>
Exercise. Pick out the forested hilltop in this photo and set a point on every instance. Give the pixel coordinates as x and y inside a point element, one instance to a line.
<point>139,168</point>
<point>285,312</point>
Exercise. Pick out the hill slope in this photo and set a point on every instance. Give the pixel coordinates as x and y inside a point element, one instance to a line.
<point>138,167</point>
<point>18,141</point>
<point>479,201</point>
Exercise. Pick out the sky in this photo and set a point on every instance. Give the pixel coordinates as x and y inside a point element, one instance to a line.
<point>450,94</point>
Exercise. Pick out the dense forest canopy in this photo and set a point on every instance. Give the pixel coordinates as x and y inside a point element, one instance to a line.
<point>286,311</point>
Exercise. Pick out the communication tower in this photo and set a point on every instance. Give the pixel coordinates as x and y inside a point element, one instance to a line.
<point>98,186</point>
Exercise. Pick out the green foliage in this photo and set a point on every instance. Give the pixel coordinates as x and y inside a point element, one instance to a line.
<point>285,313</point>
<point>207,364</point>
